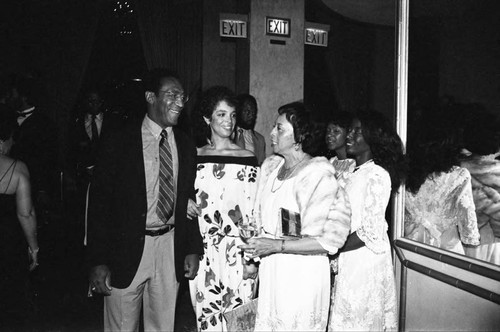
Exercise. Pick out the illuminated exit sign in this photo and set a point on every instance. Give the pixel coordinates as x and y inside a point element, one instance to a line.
<point>233,25</point>
<point>276,26</point>
<point>316,34</point>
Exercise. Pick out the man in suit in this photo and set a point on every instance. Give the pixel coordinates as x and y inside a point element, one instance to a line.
<point>140,242</point>
<point>35,141</point>
<point>246,137</point>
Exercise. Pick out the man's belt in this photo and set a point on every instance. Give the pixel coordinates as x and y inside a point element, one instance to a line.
<point>161,231</point>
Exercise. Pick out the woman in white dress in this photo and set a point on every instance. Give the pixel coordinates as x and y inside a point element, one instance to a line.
<point>482,142</point>
<point>226,184</point>
<point>303,216</point>
<point>439,206</point>
<point>336,133</point>
<point>365,291</point>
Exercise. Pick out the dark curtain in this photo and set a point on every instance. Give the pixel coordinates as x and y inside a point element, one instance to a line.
<point>338,77</point>
<point>52,40</point>
<point>171,34</point>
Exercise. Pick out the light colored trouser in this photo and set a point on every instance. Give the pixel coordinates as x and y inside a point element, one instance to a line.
<point>154,285</point>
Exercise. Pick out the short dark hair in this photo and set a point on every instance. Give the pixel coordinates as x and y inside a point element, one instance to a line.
<point>248,100</point>
<point>304,131</point>
<point>8,124</point>
<point>29,88</point>
<point>342,119</point>
<point>153,79</point>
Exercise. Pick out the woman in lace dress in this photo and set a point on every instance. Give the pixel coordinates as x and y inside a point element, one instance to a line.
<point>225,184</point>
<point>336,132</point>
<point>365,291</point>
<point>303,216</point>
<point>439,206</point>
<point>482,161</point>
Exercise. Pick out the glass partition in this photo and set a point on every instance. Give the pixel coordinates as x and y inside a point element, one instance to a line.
<point>453,99</point>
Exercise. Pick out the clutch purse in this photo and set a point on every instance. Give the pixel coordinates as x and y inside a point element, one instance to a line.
<point>242,318</point>
<point>290,223</point>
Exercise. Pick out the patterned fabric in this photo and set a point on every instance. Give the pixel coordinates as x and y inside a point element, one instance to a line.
<point>165,205</point>
<point>294,290</point>
<point>342,166</point>
<point>485,173</point>
<point>442,212</point>
<point>226,189</point>
<point>364,295</point>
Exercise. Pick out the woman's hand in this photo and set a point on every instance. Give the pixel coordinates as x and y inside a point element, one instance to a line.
<point>193,210</point>
<point>33,258</point>
<point>261,247</point>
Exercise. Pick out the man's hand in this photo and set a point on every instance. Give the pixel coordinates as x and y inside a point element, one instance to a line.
<point>191,265</point>
<point>193,210</point>
<point>250,270</point>
<point>100,279</point>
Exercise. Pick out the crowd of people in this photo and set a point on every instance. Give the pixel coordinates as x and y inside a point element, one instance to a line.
<point>303,233</point>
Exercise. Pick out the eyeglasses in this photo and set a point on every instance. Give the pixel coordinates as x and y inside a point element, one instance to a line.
<point>175,96</point>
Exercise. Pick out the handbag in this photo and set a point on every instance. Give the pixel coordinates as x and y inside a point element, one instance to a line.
<point>243,317</point>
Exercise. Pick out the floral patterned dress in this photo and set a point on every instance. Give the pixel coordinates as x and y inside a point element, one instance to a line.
<point>225,189</point>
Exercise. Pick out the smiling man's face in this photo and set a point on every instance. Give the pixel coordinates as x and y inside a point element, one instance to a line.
<point>164,107</point>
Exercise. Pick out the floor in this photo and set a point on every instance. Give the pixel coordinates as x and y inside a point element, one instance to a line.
<point>58,287</point>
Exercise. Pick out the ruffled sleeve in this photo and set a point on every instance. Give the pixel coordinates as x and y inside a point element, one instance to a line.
<point>466,215</point>
<point>373,229</point>
<point>324,211</point>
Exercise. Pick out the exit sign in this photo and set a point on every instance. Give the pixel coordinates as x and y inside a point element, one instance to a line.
<point>316,34</point>
<point>233,25</point>
<point>276,26</point>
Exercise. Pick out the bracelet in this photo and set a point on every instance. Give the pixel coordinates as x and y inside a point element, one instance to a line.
<point>282,245</point>
<point>34,251</point>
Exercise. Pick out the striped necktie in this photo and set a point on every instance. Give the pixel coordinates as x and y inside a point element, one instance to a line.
<point>165,205</point>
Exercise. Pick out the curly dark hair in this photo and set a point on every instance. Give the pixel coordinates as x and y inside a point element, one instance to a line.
<point>385,144</point>
<point>435,148</point>
<point>304,130</point>
<point>342,119</point>
<point>481,130</point>
<point>206,106</point>
<point>8,124</point>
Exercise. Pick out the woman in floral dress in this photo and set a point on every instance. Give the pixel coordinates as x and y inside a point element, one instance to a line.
<point>225,186</point>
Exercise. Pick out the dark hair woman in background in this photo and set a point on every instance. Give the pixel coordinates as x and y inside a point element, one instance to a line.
<point>17,229</point>
<point>365,291</point>
<point>481,140</point>
<point>439,206</point>
<point>336,133</point>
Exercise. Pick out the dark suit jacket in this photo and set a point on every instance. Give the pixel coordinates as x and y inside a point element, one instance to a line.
<point>259,144</point>
<point>36,144</point>
<point>81,152</point>
<point>118,205</point>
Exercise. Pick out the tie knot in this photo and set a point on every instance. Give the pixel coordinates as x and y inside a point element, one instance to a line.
<point>163,135</point>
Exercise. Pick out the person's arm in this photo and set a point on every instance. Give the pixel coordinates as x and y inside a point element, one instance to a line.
<point>376,196</point>
<point>261,247</point>
<point>26,213</point>
<point>466,211</point>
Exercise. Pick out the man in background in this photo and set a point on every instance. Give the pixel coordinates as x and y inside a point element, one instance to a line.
<point>246,137</point>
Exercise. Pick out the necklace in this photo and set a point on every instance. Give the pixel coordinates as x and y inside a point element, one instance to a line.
<point>285,173</point>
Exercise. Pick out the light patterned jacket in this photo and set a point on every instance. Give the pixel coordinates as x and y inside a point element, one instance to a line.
<point>324,210</point>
